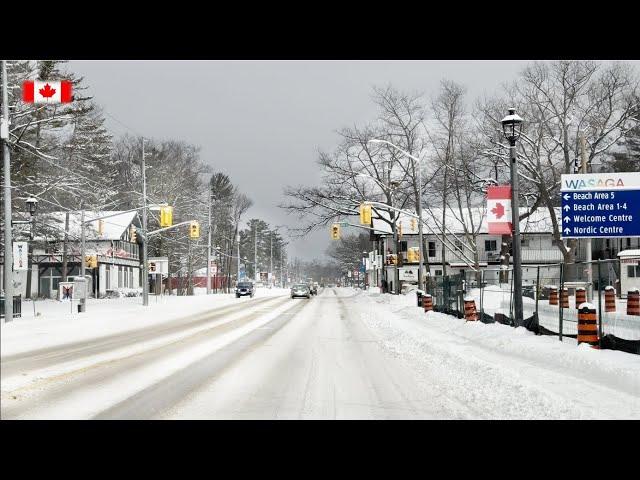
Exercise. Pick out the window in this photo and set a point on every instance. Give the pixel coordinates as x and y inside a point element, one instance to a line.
<point>402,246</point>
<point>490,245</point>
<point>633,271</point>
<point>438,272</point>
<point>524,242</point>
<point>458,245</point>
<point>432,249</point>
<point>628,242</point>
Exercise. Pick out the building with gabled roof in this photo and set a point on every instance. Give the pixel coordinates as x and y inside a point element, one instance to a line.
<point>108,239</point>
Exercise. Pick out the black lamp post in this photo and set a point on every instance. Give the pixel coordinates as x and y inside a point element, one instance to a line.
<point>32,207</point>
<point>512,128</point>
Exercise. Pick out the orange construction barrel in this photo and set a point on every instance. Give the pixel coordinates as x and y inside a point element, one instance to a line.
<point>553,295</point>
<point>427,302</point>
<point>609,299</point>
<point>564,298</point>
<point>633,302</point>
<point>470,314</point>
<point>581,296</point>
<point>587,325</point>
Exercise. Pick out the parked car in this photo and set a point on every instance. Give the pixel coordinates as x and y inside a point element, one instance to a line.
<point>300,290</point>
<point>315,288</point>
<point>244,288</point>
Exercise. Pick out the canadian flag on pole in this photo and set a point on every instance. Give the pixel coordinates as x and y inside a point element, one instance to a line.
<point>38,91</point>
<point>499,210</point>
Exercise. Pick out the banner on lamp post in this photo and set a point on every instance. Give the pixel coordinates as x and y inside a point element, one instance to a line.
<point>20,256</point>
<point>499,210</point>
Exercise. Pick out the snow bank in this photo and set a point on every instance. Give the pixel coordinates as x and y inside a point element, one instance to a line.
<point>56,324</point>
<point>536,376</point>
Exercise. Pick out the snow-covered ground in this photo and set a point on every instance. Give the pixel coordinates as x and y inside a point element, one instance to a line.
<point>56,323</point>
<point>346,353</point>
<point>505,372</point>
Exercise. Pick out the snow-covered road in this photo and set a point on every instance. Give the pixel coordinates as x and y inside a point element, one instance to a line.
<point>344,354</point>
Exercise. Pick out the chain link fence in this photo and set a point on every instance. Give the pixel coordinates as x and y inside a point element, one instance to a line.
<point>551,297</point>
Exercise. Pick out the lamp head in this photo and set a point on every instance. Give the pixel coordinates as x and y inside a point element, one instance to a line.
<point>512,126</point>
<point>32,205</point>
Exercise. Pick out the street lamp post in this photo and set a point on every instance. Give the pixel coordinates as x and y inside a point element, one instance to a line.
<point>32,207</point>
<point>512,128</point>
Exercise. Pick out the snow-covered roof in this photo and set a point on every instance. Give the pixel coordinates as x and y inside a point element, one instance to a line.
<point>629,253</point>
<point>113,228</point>
<point>538,222</point>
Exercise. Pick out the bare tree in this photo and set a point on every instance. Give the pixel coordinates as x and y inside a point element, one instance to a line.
<point>561,101</point>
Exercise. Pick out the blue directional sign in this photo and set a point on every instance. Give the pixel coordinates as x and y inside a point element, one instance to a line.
<point>601,205</point>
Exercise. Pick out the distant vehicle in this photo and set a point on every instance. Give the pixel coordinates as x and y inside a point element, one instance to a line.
<point>315,288</point>
<point>300,290</point>
<point>244,289</point>
<point>331,285</point>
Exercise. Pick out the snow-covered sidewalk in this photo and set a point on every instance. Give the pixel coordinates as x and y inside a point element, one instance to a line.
<point>500,371</point>
<point>57,325</point>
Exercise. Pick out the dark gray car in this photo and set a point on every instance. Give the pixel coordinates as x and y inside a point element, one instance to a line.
<point>300,290</point>
<point>244,289</point>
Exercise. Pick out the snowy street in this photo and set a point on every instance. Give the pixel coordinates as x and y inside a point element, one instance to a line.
<point>344,354</point>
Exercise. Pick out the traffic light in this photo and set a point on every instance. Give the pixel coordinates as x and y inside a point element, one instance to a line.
<point>414,224</point>
<point>132,234</point>
<point>166,216</point>
<point>335,232</point>
<point>413,254</point>
<point>100,227</point>
<point>399,229</point>
<point>194,230</point>
<point>365,214</point>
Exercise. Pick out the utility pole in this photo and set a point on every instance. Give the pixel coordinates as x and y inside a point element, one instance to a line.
<point>8,237</point>
<point>145,263</point>
<point>83,262</point>
<point>238,273</point>
<point>271,261</point>
<point>421,279</point>
<point>209,248</point>
<point>255,252</point>
<point>583,152</point>
<point>396,216</point>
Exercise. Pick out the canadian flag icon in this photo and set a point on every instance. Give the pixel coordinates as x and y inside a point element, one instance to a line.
<point>499,210</point>
<point>45,91</point>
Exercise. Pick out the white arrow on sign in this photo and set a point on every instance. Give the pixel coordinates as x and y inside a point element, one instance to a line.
<point>567,208</point>
<point>567,231</point>
<point>567,219</point>
<point>566,196</point>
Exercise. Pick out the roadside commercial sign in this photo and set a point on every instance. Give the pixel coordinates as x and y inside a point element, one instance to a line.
<point>600,205</point>
<point>20,256</point>
<point>499,210</point>
<point>408,274</point>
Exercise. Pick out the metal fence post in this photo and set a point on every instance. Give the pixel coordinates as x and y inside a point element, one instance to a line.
<point>481,296</point>
<point>537,290</point>
<point>561,310</point>
<point>599,307</point>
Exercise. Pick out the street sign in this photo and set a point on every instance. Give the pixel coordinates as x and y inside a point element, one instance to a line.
<point>161,265</point>
<point>601,205</point>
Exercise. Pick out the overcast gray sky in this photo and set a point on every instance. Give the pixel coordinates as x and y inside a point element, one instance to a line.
<point>262,122</point>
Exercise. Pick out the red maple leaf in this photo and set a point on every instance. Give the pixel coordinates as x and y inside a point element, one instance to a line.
<point>47,91</point>
<point>499,210</point>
